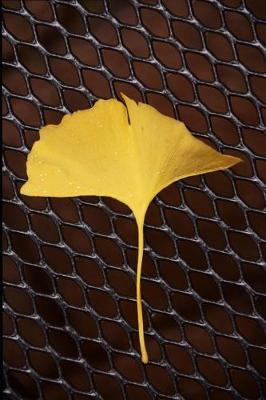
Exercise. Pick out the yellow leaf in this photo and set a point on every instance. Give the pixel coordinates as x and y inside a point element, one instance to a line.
<point>127,152</point>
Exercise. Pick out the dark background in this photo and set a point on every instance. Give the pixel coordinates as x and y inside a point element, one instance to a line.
<point>70,327</point>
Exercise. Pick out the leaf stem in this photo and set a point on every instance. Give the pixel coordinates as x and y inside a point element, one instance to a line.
<point>144,355</point>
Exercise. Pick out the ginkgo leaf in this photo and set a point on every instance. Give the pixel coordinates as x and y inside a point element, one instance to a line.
<point>127,152</point>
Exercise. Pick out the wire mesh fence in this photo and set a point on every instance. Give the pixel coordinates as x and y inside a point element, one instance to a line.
<point>70,327</point>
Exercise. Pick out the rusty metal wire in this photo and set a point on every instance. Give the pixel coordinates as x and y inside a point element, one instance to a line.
<point>69,264</point>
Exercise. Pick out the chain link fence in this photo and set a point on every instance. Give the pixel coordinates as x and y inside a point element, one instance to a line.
<point>69,310</point>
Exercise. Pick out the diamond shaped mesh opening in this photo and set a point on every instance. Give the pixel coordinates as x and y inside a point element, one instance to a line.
<point>70,328</point>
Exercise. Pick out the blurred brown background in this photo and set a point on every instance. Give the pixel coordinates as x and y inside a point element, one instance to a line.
<point>69,264</point>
